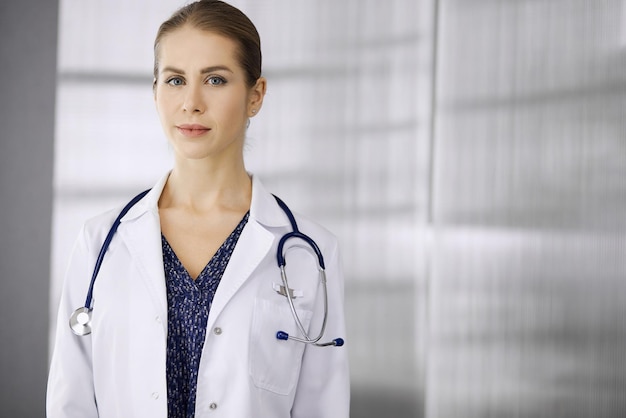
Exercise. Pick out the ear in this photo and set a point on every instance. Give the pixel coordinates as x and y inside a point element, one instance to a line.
<point>154,85</point>
<point>255,96</point>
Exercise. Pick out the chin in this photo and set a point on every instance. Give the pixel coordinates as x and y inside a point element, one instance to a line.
<point>187,152</point>
<point>202,148</point>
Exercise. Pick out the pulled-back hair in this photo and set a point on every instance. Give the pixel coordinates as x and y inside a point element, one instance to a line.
<point>223,19</point>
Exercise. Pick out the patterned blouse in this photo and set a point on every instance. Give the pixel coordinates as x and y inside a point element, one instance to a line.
<point>188,305</point>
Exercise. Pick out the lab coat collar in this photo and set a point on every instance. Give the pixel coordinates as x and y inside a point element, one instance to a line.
<point>254,243</point>
<point>150,202</point>
<point>263,207</point>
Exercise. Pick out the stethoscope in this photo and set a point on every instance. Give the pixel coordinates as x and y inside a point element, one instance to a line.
<point>80,320</point>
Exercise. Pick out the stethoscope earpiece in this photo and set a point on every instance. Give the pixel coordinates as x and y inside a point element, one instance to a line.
<point>80,321</point>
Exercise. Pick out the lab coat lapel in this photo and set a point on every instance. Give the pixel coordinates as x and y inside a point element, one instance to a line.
<point>254,243</point>
<point>252,247</point>
<point>141,232</point>
<point>142,237</point>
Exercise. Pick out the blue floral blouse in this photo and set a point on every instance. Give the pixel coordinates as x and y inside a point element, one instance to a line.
<point>188,303</point>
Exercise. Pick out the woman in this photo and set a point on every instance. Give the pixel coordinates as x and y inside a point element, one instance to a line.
<point>188,299</point>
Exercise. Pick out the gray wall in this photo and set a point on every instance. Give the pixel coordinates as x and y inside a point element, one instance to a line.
<point>526,282</point>
<point>28,32</point>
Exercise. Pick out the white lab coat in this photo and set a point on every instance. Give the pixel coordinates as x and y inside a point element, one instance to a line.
<point>119,369</point>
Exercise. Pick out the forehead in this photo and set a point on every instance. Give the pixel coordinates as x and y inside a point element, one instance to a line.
<point>191,46</point>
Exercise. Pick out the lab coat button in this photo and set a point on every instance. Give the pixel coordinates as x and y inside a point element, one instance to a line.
<point>213,405</point>
<point>157,319</point>
<point>217,331</point>
<point>155,395</point>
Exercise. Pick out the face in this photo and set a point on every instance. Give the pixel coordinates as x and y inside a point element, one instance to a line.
<point>201,95</point>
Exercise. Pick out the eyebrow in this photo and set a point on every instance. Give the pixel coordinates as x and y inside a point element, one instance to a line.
<point>203,71</point>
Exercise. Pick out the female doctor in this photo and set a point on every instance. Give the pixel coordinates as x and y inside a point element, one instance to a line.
<point>189,296</point>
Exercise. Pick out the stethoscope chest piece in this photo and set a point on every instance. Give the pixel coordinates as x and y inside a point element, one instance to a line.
<point>80,321</point>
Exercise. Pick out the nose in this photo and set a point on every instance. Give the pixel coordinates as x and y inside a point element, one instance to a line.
<point>194,101</point>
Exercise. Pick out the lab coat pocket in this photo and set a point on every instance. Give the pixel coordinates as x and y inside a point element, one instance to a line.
<point>275,364</point>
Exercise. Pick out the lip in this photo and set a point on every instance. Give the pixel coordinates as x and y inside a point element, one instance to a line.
<point>192,130</point>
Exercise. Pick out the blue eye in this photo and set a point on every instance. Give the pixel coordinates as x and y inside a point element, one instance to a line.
<point>216,80</point>
<point>174,81</point>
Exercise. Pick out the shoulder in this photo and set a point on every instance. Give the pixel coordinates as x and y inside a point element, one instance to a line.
<point>324,239</point>
<point>266,210</point>
<point>313,228</point>
<point>97,227</point>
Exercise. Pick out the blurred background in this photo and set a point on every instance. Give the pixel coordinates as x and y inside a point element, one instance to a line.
<point>469,154</point>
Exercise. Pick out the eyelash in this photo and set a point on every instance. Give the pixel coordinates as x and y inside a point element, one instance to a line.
<point>170,81</point>
<point>220,81</point>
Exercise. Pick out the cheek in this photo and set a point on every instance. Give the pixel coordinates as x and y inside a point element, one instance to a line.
<point>232,108</point>
<point>163,104</point>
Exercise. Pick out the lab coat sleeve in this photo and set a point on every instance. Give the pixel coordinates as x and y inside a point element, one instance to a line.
<point>70,390</point>
<point>324,386</point>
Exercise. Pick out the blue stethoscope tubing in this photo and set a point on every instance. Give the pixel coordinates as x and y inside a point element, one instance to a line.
<point>280,258</point>
<point>80,320</point>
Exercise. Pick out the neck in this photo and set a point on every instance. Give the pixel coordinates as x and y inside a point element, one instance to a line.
<point>199,186</point>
